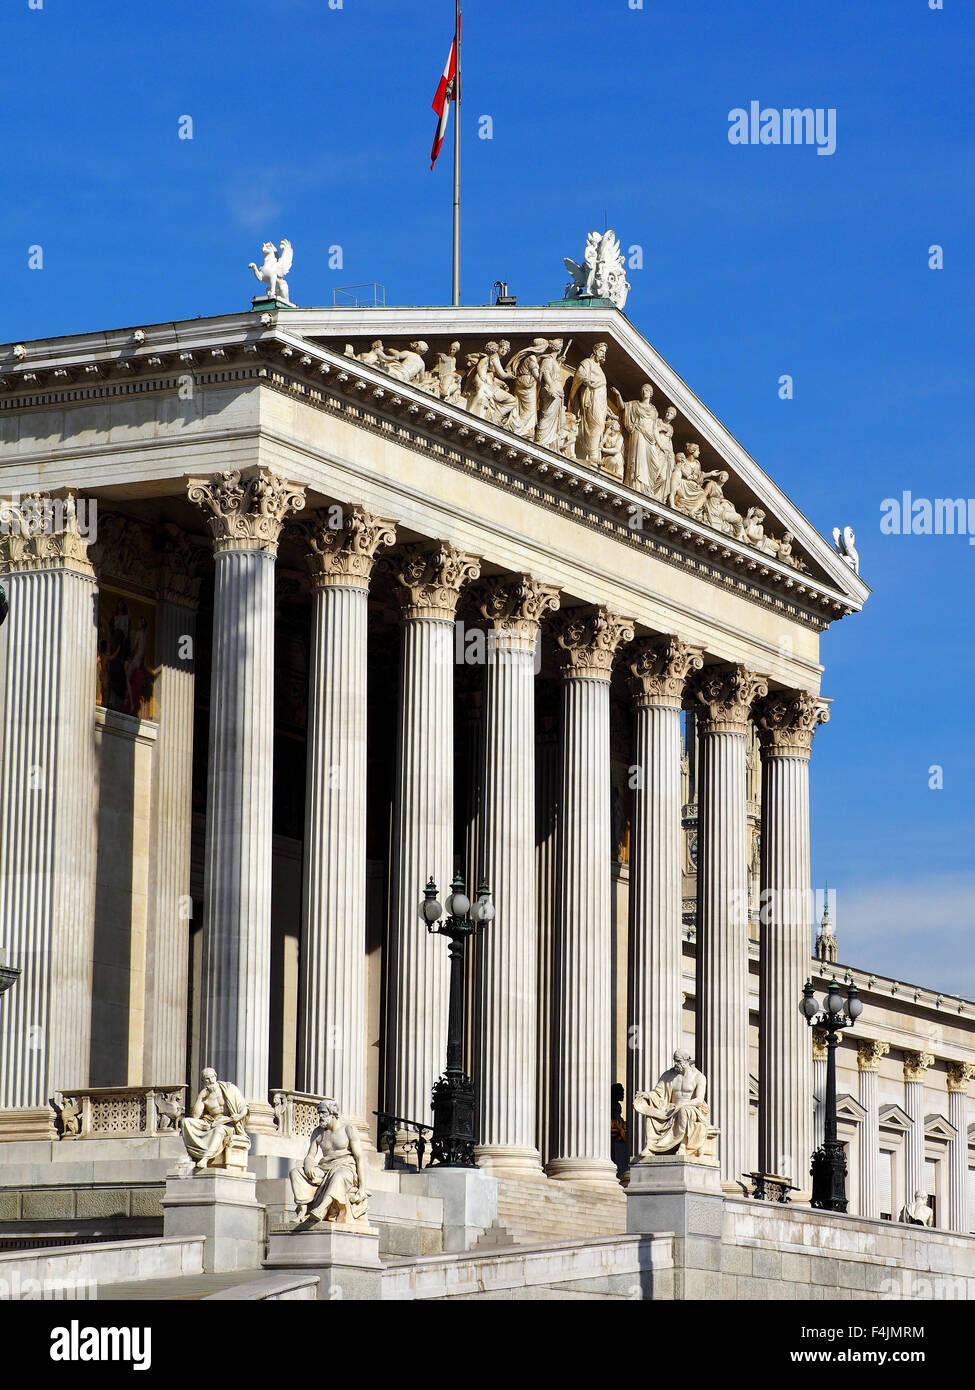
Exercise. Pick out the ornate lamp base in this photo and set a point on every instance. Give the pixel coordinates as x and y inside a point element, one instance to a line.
<point>829,1176</point>
<point>453,1122</point>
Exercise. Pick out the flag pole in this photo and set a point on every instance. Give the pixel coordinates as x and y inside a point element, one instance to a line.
<point>456,255</point>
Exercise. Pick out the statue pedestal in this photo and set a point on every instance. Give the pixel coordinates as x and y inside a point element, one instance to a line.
<point>670,1193</point>
<point>263,301</point>
<point>221,1206</point>
<point>345,1258</point>
<point>470,1202</point>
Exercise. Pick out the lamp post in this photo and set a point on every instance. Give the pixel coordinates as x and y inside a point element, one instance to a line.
<point>829,1161</point>
<point>453,1094</point>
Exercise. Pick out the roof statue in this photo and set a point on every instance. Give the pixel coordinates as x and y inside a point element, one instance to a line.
<point>274,269</point>
<point>845,543</point>
<point>602,274</point>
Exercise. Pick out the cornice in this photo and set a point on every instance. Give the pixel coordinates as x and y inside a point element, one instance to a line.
<point>369,399</point>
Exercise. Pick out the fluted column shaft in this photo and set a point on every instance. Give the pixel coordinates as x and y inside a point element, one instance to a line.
<point>785,1124</point>
<point>423,826</point>
<point>959,1076</point>
<point>725,696</point>
<point>507,955</point>
<point>869,1054</point>
<point>170,904</point>
<point>47,816</point>
<point>245,520</point>
<point>547,784</point>
<point>915,1065</point>
<point>332,986</point>
<point>658,669</point>
<point>582,1035</point>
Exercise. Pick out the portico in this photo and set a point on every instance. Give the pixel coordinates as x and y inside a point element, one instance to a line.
<point>382,513</point>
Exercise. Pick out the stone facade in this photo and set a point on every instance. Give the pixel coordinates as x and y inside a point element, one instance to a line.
<point>256,664</point>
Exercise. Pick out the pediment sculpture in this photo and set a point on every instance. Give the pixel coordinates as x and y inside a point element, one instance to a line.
<point>602,274</point>
<point>577,413</point>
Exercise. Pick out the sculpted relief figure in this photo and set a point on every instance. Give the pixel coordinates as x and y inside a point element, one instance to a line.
<point>525,369</point>
<point>215,1123</point>
<point>649,443</point>
<point>551,395</point>
<point>587,397</point>
<point>487,396</point>
<point>525,393</point>
<point>330,1185</point>
<point>612,448</point>
<point>445,380</point>
<point>678,1115</point>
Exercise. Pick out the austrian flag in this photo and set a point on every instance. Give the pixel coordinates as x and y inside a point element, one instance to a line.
<point>446,93</point>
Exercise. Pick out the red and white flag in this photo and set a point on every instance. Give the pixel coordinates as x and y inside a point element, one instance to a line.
<point>446,93</point>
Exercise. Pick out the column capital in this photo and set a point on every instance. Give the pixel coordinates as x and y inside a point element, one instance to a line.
<point>180,566</point>
<point>588,640</point>
<point>659,668</point>
<point>869,1053</point>
<point>820,1046</point>
<point>246,511</point>
<point>343,556</point>
<point>916,1064</point>
<point>39,531</point>
<point>959,1076</point>
<point>431,578</point>
<point>724,696</point>
<point>787,720</point>
<point>514,604</point>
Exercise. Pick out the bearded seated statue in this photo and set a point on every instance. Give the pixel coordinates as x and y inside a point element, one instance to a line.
<point>678,1115</point>
<point>330,1184</point>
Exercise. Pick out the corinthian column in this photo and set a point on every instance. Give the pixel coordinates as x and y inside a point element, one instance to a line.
<point>332,986</point>
<point>724,697</point>
<point>869,1053</point>
<point>786,721</point>
<point>582,1045</point>
<point>423,823</point>
<point>959,1076</point>
<point>245,515</point>
<point>47,816</point>
<point>507,954</point>
<point>915,1065</point>
<point>172,810</point>
<point>658,669</point>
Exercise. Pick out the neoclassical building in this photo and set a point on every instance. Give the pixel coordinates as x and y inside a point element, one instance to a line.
<point>309,605</point>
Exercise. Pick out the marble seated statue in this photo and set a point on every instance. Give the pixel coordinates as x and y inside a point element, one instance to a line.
<point>918,1212</point>
<point>213,1130</point>
<point>330,1184</point>
<point>677,1113</point>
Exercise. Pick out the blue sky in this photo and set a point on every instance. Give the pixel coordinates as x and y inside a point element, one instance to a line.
<point>315,124</point>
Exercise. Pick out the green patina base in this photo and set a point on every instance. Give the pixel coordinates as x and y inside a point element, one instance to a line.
<point>593,302</point>
<point>262,302</point>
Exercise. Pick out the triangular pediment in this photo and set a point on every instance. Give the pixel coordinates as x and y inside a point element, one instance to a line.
<point>499,365</point>
<point>937,1127</point>
<point>892,1117</point>
<point>849,1108</point>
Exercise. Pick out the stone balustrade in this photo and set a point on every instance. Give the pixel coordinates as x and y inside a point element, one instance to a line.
<point>119,1112</point>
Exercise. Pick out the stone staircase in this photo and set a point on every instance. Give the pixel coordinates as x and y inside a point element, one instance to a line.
<point>536,1210</point>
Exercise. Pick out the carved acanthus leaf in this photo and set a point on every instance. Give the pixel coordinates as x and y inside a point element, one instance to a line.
<point>724,696</point>
<point>916,1064</point>
<point>589,639</point>
<point>659,668</point>
<point>246,511</point>
<point>787,720</point>
<point>40,531</point>
<point>342,550</point>
<point>431,579</point>
<point>515,603</point>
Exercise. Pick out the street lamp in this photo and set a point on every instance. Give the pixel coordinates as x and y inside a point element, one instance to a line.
<point>4,607</point>
<point>453,1095</point>
<point>829,1161</point>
